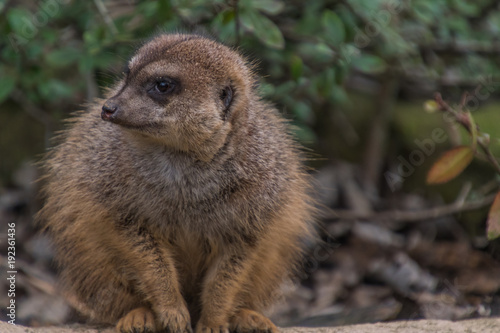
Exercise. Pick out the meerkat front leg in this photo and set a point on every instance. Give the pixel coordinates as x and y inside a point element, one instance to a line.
<point>157,280</point>
<point>222,283</point>
<point>220,287</point>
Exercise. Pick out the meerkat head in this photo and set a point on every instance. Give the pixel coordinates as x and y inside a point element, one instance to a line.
<point>183,91</point>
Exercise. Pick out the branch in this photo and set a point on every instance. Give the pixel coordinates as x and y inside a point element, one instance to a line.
<point>36,112</point>
<point>237,28</point>
<point>378,136</point>
<point>32,109</point>
<point>420,77</point>
<point>457,206</point>
<point>463,119</point>
<point>490,156</point>
<point>104,13</point>
<point>465,47</point>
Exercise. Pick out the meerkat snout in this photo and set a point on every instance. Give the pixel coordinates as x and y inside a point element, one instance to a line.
<point>108,110</point>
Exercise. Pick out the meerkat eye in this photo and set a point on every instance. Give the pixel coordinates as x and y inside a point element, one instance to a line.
<point>164,86</point>
<point>226,96</point>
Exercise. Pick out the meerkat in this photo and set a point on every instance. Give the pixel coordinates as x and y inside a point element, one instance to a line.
<point>180,201</point>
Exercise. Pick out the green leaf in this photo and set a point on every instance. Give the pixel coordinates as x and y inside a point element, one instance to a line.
<point>49,36</point>
<point>458,24</point>
<point>493,223</point>
<point>285,89</point>
<point>104,60</point>
<point>426,11</point>
<point>264,29</point>
<point>341,73</point>
<point>223,24</point>
<point>325,82</point>
<point>63,57</point>
<point>309,24</point>
<point>267,90</point>
<point>296,67</point>
<point>467,8</point>
<point>20,23</point>
<point>369,64</point>
<point>305,134</point>
<point>228,16</point>
<point>55,89</point>
<point>86,63</point>
<point>450,165</point>
<point>34,50</point>
<point>165,9</point>
<point>339,96</point>
<point>302,111</point>
<point>333,27</point>
<point>271,7</point>
<point>7,84</point>
<point>316,53</point>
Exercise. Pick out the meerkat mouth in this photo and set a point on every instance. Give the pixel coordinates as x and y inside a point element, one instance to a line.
<point>148,128</point>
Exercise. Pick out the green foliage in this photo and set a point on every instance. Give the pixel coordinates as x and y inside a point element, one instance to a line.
<point>6,85</point>
<point>50,39</point>
<point>55,53</point>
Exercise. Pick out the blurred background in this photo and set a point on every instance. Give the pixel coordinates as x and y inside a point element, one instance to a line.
<point>352,76</point>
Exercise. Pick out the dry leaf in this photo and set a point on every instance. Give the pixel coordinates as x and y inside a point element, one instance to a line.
<point>493,230</point>
<point>450,165</point>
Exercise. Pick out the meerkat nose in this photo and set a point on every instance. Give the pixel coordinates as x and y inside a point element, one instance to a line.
<point>108,110</point>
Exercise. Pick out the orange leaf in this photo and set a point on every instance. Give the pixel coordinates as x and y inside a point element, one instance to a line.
<point>493,224</point>
<point>450,165</point>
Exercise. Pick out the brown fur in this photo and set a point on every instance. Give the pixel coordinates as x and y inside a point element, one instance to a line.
<point>178,208</point>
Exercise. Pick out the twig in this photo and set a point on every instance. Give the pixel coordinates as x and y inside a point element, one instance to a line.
<point>345,128</point>
<point>104,13</point>
<point>444,106</point>
<point>453,131</point>
<point>35,277</point>
<point>490,156</point>
<point>456,48</point>
<point>378,136</point>
<point>32,109</point>
<point>92,90</point>
<point>490,186</point>
<point>464,192</point>
<point>412,216</point>
<point>355,198</point>
<point>421,78</point>
<point>36,112</point>
<point>236,21</point>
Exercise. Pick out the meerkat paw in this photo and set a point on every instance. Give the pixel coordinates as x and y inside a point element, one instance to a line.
<point>203,328</point>
<point>140,320</point>
<point>248,321</point>
<point>175,320</point>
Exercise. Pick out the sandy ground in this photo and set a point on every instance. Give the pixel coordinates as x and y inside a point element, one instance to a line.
<point>482,325</point>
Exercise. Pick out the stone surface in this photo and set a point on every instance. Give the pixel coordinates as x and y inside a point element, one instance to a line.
<point>481,325</point>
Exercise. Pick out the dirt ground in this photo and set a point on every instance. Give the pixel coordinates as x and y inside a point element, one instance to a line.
<point>481,325</point>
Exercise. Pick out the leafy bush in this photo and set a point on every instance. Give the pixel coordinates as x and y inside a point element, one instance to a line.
<point>335,67</point>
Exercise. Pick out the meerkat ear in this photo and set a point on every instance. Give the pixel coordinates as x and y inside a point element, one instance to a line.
<point>226,97</point>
